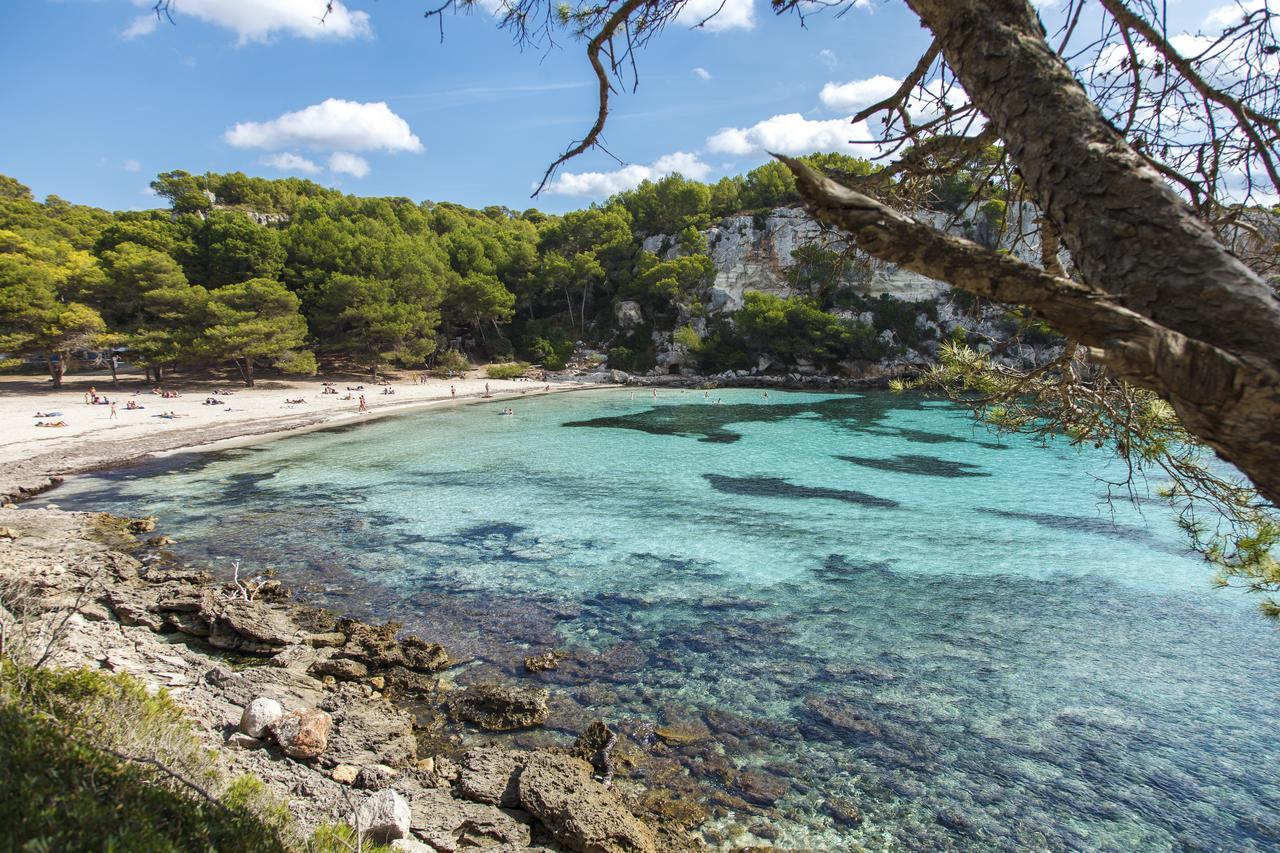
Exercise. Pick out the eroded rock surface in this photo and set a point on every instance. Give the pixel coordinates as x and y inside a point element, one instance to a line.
<point>579,812</point>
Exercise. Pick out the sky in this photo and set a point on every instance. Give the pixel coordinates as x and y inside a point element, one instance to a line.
<point>100,96</point>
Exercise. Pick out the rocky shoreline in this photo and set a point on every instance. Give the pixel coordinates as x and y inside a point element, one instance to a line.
<point>344,720</point>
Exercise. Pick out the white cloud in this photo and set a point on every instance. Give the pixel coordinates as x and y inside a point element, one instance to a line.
<point>1230,15</point>
<point>288,162</point>
<point>260,20</point>
<point>131,166</point>
<point>702,73</point>
<point>724,14</point>
<point>791,133</point>
<point>828,57</point>
<point>141,26</point>
<point>331,125</point>
<point>856,94</point>
<point>600,184</point>
<point>348,164</point>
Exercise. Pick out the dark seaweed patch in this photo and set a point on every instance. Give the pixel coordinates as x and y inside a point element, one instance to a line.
<point>925,466</point>
<point>1094,526</point>
<point>838,568</point>
<point>776,487</point>
<point>709,421</point>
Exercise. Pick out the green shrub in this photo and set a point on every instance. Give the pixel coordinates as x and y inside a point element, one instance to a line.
<point>510,370</point>
<point>64,784</point>
<point>451,359</point>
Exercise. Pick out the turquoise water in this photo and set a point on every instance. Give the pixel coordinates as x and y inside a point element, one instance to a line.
<point>857,596</point>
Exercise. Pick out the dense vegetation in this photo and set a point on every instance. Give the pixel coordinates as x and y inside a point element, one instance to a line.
<point>92,761</point>
<point>249,273</point>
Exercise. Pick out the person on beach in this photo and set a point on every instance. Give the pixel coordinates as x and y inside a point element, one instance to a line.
<point>453,392</point>
<point>486,389</point>
<point>364,407</point>
<point>113,410</point>
<point>655,393</point>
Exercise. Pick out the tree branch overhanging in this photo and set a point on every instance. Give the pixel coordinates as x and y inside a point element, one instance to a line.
<point>1233,405</point>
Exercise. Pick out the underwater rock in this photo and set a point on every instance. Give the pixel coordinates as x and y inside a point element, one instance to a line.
<point>843,715</point>
<point>844,810</point>
<point>759,787</point>
<point>497,707</point>
<point>542,662</point>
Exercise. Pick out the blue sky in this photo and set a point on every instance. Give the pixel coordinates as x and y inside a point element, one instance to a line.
<point>99,97</point>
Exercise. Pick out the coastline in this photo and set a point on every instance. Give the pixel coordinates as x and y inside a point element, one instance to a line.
<point>86,588</point>
<point>35,459</point>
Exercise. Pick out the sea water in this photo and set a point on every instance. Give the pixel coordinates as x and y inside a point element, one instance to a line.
<point>857,599</point>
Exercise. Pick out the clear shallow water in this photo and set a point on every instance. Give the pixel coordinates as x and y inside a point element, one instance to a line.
<point>859,596</point>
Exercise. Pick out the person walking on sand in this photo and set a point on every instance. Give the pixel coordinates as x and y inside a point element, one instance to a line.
<point>486,389</point>
<point>364,407</point>
<point>113,410</point>
<point>453,392</point>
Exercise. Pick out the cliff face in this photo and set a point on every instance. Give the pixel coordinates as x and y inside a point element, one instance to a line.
<point>755,253</point>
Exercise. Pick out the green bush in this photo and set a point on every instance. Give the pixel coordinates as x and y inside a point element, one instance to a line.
<point>451,359</point>
<point>63,787</point>
<point>510,370</point>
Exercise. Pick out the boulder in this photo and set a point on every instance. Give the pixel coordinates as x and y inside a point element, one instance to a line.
<point>488,775</point>
<point>259,715</point>
<point>628,314</point>
<point>448,824</point>
<point>498,707</point>
<point>343,669</point>
<point>375,777</point>
<point>248,626</point>
<point>578,812</point>
<point>366,733</point>
<point>345,774</point>
<point>385,816</point>
<point>303,734</point>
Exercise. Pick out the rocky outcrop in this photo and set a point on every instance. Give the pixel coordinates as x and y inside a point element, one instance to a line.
<point>317,741</point>
<point>579,812</point>
<point>499,707</point>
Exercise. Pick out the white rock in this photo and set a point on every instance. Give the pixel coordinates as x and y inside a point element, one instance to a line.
<point>385,816</point>
<point>411,845</point>
<point>259,714</point>
<point>240,740</point>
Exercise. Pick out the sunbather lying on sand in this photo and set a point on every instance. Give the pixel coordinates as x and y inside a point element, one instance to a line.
<point>51,423</point>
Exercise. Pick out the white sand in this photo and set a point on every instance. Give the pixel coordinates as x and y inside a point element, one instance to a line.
<point>93,438</point>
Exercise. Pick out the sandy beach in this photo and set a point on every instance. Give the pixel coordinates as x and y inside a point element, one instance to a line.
<point>31,455</point>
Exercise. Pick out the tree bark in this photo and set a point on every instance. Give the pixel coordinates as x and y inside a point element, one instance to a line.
<point>56,369</point>
<point>1128,232</point>
<point>1164,304</point>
